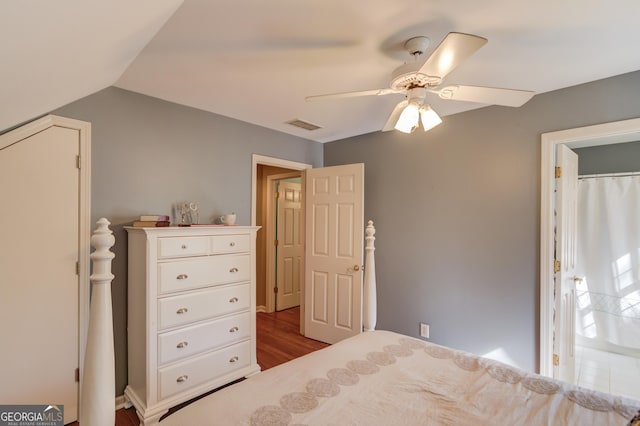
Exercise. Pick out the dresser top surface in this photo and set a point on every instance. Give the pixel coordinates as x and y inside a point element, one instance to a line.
<point>192,230</point>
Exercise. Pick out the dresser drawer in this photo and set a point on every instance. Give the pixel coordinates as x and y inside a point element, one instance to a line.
<point>201,305</point>
<point>202,272</point>
<point>169,247</point>
<point>231,243</point>
<point>188,341</point>
<point>195,371</point>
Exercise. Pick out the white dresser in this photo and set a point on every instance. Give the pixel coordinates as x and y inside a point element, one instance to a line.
<point>191,313</point>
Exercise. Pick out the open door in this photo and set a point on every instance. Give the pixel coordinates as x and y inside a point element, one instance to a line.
<point>334,257</point>
<point>565,278</point>
<point>290,248</point>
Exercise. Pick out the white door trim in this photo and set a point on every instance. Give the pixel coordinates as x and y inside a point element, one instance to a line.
<point>601,134</point>
<point>277,162</point>
<point>84,214</point>
<point>268,161</point>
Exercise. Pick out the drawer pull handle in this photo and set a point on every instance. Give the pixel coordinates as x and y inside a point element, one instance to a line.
<point>182,345</point>
<point>234,359</point>
<point>233,300</point>
<point>182,311</point>
<point>182,378</point>
<point>233,270</point>
<point>233,329</point>
<point>232,244</point>
<point>184,246</point>
<point>182,277</point>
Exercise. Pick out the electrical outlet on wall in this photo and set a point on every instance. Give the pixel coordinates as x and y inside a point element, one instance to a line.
<point>424,330</point>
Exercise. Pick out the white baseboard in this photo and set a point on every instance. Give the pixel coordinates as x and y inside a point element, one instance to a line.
<point>120,402</point>
<point>261,308</point>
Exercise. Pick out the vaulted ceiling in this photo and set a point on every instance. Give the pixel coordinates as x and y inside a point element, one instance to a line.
<point>256,60</point>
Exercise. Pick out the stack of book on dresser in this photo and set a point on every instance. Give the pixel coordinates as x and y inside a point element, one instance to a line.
<point>152,220</point>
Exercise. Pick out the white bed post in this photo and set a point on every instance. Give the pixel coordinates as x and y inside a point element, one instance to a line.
<point>97,397</point>
<point>370,302</point>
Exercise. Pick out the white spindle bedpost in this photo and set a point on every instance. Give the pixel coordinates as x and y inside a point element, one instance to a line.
<point>370,302</point>
<point>97,399</point>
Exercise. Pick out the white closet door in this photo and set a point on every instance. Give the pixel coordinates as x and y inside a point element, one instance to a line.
<point>39,189</point>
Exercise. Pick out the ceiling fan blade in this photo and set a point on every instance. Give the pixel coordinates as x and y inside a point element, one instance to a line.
<point>393,118</point>
<point>374,92</point>
<point>451,52</point>
<point>486,95</point>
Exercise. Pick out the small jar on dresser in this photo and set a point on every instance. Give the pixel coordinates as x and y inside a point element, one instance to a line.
<point>191,313</point>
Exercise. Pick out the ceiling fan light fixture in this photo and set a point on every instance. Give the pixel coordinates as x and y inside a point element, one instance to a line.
<point>409,118</point>
<point>414,114</point>
<point>429,118</point>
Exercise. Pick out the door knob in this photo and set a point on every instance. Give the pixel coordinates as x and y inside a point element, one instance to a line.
<point>578,279</point>
<point>356,268</point>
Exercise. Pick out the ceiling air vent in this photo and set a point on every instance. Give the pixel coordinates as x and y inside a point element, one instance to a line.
<point>304,124</point>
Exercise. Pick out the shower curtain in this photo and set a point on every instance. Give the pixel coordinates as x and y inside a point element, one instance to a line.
<point>608,257</point>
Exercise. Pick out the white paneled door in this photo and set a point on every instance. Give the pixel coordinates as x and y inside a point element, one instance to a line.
<point>334,255</point>
<point>565,278</point>
<point>39,188</point>
<point>290,249</point>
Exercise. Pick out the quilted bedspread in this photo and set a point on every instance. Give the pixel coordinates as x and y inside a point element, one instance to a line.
<point>384,378</point>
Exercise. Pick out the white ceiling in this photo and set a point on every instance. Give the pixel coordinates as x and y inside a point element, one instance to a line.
<point>256,60</point>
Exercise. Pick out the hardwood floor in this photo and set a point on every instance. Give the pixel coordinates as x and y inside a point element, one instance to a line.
<point>278,341</point>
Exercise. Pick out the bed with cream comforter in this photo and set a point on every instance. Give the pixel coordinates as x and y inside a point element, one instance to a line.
<point>384,378</point>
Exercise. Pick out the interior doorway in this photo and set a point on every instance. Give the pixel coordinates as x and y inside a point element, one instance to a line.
<point>333,257</point>
<point>266,172</point>
<point>602,134</point>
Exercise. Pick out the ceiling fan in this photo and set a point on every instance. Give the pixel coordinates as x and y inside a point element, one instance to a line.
<point>416,79</point>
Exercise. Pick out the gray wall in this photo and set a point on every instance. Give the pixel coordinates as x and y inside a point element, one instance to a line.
<point>148,154</point>
<point>457,212</point>
<point>615,158</point>
<point>457,208</point>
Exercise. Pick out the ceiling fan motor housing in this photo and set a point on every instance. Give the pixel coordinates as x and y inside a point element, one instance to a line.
<point>417,95</point>
<point>406,77</point>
